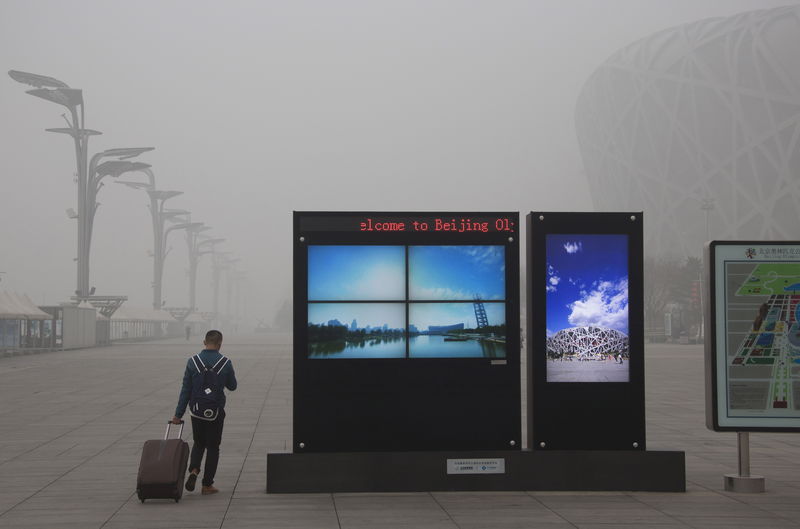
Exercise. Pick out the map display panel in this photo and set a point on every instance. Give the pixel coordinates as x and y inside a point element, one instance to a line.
<point>757,302</point>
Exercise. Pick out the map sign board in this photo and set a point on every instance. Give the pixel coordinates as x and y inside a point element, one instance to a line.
<point>753,351</point>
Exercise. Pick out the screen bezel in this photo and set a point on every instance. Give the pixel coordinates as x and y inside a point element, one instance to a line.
<point>374,404</point>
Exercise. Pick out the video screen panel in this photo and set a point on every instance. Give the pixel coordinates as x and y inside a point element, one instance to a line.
<point>587,308</point>
<point>449,301</point>
<point>457,273</point>
<point>356,330</point>
<point>457,330</point>
<point>356,273</point>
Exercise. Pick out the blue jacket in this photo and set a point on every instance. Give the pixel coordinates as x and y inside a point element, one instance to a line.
<point>209,357</point>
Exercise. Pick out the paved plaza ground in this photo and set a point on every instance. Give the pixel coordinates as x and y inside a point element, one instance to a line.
<point>587,371</point>
<point>72,424</point>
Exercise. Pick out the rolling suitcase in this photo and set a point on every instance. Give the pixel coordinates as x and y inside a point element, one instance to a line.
<point>163,467</point>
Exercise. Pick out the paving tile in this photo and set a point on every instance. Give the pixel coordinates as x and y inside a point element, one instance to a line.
<point>73,464</point>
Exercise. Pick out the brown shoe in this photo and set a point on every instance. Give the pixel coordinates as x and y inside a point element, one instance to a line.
<point>211,489</point>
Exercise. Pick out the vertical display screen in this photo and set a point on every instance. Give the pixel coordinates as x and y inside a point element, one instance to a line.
<point>587,317</point>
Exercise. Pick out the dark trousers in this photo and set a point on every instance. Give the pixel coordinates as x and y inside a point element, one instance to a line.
<point>207,437</point>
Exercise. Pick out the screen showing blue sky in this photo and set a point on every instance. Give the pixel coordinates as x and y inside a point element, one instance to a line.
<point>587,281</point>
<point>456,272</point>
<point>342,273</point>
<point>424,315</point>
<point>372,315</point>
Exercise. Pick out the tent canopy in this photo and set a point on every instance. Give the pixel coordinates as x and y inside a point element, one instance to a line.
<point>14,306</point>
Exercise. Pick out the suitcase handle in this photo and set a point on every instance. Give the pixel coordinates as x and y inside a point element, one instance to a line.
<point>180,432</point>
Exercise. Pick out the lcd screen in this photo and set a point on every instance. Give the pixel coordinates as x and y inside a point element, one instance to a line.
<point>457,273</point>
<point>457,330</point>
<point>356,273</point>
<point>586,287</point>
<point>356,330</point>
<point>448,302</point>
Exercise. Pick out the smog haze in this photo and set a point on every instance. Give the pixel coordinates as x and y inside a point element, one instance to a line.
<point>256,109</point>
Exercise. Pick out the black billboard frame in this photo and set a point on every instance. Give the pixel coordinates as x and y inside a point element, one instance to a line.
<point>405,404</point>
<point>710,349</point>
<point>584,415</point>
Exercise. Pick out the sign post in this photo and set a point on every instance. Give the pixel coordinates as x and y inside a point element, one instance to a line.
<point>753,347</point>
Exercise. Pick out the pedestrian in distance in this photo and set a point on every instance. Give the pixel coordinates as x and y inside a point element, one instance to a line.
<point>205,378</point>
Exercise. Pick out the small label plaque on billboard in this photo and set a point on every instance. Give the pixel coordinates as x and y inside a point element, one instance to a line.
<point>476,466</point>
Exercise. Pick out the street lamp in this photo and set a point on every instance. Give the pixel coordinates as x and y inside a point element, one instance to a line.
<point>198,246</point>
<point>89,174</point>
<point>221,262</point>
<point>707,205</point>
<point>159,215</point>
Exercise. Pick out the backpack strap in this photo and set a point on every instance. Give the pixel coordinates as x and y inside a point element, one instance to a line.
<point>197,363</point>
<point>221,363</point>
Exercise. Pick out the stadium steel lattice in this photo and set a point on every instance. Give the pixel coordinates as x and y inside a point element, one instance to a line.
<point>587,342</point>
<point>699,127</point>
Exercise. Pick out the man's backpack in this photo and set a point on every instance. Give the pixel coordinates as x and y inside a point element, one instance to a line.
<point>206,399</point>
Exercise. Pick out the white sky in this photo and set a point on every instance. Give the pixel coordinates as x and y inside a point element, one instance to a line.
<point>260,108</point>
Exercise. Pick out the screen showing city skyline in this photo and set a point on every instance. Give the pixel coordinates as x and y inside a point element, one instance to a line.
<point>463,289</point>
<point>586,287</point>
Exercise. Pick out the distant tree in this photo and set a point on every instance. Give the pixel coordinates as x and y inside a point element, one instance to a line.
<point>668,280</point>
<point>660,277</point>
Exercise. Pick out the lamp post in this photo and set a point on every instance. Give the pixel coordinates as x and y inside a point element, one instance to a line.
<point>89,173</point>
<point>198,248</point>
<point>190,227</point>
<point>707,206</point>
<point>159,215</point>
<point>221,262</point>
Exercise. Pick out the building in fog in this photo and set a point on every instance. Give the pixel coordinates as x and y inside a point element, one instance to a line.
<point>699,127</point>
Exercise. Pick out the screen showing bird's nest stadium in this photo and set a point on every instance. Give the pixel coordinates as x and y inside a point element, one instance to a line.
<point>406,301</point>
<point>586,288</point>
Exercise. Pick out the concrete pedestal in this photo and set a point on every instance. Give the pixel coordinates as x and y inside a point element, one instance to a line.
<point>609,470</point>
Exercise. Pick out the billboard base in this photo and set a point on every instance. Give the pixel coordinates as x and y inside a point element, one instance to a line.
<point>746,484</point>
<point>601,470</point>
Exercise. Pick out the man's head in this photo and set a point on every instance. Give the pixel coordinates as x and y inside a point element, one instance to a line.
<point>213,340</point>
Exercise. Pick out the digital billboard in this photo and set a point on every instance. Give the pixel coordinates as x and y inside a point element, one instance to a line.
<point>753,357</point>
<point>406,301</point>
<point>585,331</point>
<point>586,287</point>
<point>406,331</point>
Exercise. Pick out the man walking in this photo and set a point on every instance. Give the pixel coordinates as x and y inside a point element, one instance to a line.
<point>206,374</point>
